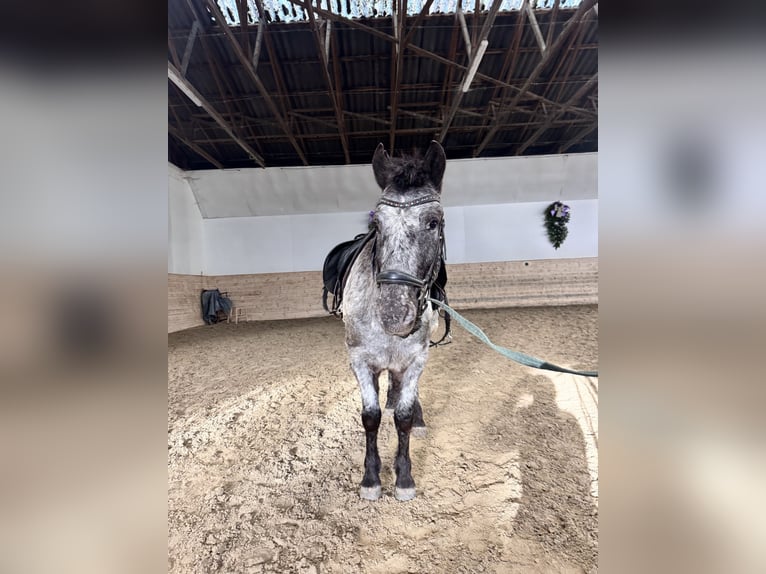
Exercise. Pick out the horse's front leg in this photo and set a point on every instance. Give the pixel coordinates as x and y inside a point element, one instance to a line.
<point>392,399</point>
<point>368,384</point>
<point>404,416</point>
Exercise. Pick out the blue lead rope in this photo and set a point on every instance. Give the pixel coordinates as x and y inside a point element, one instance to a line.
<point>512,355</point>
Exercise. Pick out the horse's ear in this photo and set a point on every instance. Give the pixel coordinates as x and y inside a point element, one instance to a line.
<point>434,163</point>
<point>380,166</point>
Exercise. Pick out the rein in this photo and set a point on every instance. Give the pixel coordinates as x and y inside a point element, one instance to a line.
<point>520,358</point>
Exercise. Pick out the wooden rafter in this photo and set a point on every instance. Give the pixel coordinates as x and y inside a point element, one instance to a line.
<point>367,117</point>
<point>243,25</point>
<point>194,147</point>
<point>380,133</point>
<point>204,104</point>
<point>338,78</point>
<point>463,27</point>
<point>509,64</point>
<point>549,122</point>
<point>274,62</point>
<point>577,138</point>
<point>567,58</point>
<point>187,107</point>
<point>330,86</point>
<point>173,51</point>
<point>428,54</point>
<point>556,106</point>
<point>552,20</point>
<point>535,27</point>
<point>476,55</point>
<point>420,116</point>
<point>189,46</point>
<point>336,102</point>
<point>551,52</point>
<point>434,87</point>
<point>397,65</point>
<point>324,122</point>
<point>245,61</point>
<point>350,58</point>
<point>222,83</point>
<point>571,58</point>
<point>445,91</point>
<point>221,79</point>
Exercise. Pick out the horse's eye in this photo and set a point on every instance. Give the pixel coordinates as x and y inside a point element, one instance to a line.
<point>433,224</point>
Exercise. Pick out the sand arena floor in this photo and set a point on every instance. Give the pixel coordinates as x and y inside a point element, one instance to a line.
<point>266,448</point>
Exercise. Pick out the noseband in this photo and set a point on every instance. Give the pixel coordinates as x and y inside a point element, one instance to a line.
<point>396,277</point>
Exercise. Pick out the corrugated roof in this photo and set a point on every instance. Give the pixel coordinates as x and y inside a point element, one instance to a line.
<point>290,67</point>
<point>286,11</point>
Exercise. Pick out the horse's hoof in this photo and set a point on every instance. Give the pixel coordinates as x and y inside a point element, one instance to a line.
<point>419,432</point>
<point>370,492</point>
<point>404,494</point>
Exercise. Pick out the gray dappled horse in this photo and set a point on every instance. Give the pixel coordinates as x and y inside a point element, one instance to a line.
<point>388,318</point>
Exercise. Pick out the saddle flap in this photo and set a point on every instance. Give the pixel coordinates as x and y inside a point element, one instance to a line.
<point>339,260</point>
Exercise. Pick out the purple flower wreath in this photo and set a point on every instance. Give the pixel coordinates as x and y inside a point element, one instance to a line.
<point>556,219</point>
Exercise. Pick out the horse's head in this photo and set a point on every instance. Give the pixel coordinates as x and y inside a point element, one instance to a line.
<point>409,220</point>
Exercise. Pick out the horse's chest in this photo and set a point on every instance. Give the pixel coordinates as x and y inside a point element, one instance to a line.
<point>386,351</point>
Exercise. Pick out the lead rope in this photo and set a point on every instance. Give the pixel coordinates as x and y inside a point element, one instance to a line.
<point>521,358</point>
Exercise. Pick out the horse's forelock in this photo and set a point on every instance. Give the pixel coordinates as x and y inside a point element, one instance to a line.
<point>408,173</point>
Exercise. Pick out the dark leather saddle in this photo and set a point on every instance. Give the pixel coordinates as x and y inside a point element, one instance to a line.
<point>337,264</point>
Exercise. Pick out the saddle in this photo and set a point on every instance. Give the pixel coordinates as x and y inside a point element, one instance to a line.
<point>341,258</point>
<point>336,267</point>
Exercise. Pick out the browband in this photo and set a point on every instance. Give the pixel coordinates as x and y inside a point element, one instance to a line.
<point>420,201</point>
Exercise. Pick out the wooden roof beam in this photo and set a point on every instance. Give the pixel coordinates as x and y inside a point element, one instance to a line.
<point>175,76</point>
<point>573,22</point>
<point>221,78</point>
<point>189,46</point>
<point>274,62</point>
<point>194,147</point>
<point>577,138</point>
<point>426,53</point>
<point>535,27</point>
<point>478,54</point>
<point>258,43</point>
<point>245,61</point>
<point>397,63</point>
<point>398,67</point>
<point>463,27</point>
<point>552,25</point>
<point>243,24</point>
<point>337,73</point>
<point>569,58</point>
<point>549,122</point>
<point>509,65</point>
<point>323,57</point>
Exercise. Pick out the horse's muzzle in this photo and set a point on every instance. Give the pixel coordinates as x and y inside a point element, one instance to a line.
<point>399,312</point>
<point>401,322</point>
<point>398,309</point>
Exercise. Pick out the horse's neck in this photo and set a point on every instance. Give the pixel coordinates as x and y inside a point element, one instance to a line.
<point>360,284</point>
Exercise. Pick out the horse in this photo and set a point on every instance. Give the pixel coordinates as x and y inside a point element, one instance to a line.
<point>388,318</point>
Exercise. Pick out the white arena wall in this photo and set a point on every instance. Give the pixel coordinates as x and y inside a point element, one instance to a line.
<point>262,234</point>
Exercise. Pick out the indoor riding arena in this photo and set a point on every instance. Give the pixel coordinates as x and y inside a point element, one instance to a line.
<point>275,111</point>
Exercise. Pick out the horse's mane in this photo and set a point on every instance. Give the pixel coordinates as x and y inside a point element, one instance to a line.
<point>407,172</point>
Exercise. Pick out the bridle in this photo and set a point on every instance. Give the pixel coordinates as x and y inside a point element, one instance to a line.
<point>397,277</point>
